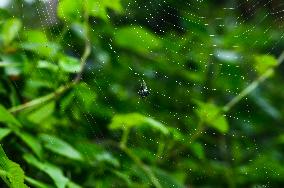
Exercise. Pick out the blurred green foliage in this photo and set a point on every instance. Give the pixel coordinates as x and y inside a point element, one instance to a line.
<point>71,115</point>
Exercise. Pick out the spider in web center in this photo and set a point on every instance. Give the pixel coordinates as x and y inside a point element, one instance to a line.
<point>143,91</point>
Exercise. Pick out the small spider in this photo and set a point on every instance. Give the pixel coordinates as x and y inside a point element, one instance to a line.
<point>143,91</point>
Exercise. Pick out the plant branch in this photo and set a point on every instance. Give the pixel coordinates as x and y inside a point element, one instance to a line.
<point>253,85</point>
<point>141,165</point>
<point>240,96</point>
<point>161,148</point>
<point>199,130</point>
<point>61,89</point>
<point>42,99</point>
<point>124,138</point>
<point>137,160</point>
<point>87,50</point>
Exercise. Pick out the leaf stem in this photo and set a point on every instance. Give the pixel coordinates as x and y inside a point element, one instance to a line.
<point>42,99</point>
<point>87,50</point>
<point>124,138</point>
<point>247,90</point>
<point>137,160</point>
<point>141,165</point>
<point>199,130</point>
<point>161,148</point>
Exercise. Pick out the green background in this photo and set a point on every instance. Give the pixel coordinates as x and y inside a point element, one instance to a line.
<point>71,115</point>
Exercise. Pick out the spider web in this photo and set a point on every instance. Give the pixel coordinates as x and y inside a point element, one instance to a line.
<point>200,65</point>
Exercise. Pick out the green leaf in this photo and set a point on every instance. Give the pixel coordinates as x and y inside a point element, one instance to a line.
<point>79,29</point>
<point>36,36</point>
<point>137,39</point>
<point>264,104</point>
<point>42,113</point>
<point>13,63</point>
<point>53,171</point>
<point>123,176</point>
<point>176,134</point>
<point>99,8</point>
<point>220,124</point>
<point>108,158</point>
<point>7,118</point>
<point>166,179</point>
<point>4,15</point>
<point>113,4</point>
<point>47,49</point>
<point>69,64</point>
<point>60,147</point>
<point>32,142</point>
<point>42,64</point>
<point>4,132</point>
<point>86,96</point>
<point>211,114</point>
<point>264,62</point>
<point>227,56</point>
<point>36,183</point>
<point>127,121</point>
<point>97,155</point>
<point>280,139</point>
<point>197,150</point>
<point>11,172</point>
<point>69,10</point>
<point>71,184</point>
<point>37,42</point>
<point>10,30</point>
